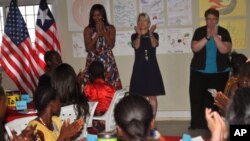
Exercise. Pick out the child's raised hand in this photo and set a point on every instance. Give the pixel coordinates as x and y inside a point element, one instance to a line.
<point>216,125</point>
<point>80,76</point>
<point>221,100</point>
<point>70,130</point>
<point>26,135</point>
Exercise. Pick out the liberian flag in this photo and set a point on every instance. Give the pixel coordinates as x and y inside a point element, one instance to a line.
<point>46,33</point>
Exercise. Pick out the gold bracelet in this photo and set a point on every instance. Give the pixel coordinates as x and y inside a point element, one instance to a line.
<point>150,35</point>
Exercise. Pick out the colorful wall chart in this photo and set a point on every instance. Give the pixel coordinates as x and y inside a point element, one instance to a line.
<point>226,7</point>
<point>78,12</point>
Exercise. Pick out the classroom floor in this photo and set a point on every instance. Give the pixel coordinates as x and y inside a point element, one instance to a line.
<point>178,128</point>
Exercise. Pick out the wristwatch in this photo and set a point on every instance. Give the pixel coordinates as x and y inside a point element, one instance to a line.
<point>208,38</point>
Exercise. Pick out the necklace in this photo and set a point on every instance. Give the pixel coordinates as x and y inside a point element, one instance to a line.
<point>52,128</point>
<point>42,121</point>
<point>146,54</point>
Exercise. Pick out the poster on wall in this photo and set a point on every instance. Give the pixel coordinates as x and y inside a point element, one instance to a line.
<point>123,44</point>
<point>78,12</point>
<point>172,40</point>
<point>78,45</point>
<point>225,7</point>
<point>175,40</point>
<point>179,12</point>
<point>155,9</point>
<point>238,31</point>
<point>124,13</point>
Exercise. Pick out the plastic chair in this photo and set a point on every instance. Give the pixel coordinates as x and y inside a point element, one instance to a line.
<point>92,107</point>
<point>18,124</point>
<point>108,117</point>
<point>70,112</point>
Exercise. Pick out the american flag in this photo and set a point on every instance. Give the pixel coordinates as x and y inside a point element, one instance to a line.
<point>17,52</point>
<point>46,36</point>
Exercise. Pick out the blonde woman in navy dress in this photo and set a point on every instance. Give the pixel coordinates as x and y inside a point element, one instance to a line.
<point>146,78</point>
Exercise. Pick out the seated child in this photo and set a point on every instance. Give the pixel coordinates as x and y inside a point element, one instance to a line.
<point>48,125</point>
<point>135,120</point>
<point>2,111</point>
<point>238,62</point>
<point>97,89</point>
<point>25,135</point>
<point>52,59</point>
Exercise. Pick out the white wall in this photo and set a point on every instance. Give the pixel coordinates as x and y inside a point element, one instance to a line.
<point>174,67</point>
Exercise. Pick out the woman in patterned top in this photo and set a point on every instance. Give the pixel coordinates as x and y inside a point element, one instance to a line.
<point>99,38</point>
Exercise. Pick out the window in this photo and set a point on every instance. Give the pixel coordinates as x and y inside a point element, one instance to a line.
<point>1,32</point>
<point>29,13</point>
<point>1,24</point>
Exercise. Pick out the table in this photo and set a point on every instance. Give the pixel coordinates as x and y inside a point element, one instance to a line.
<point>12,114</point>
<point>176,138</point>
<point>172,138</point>
<point>167,138</point>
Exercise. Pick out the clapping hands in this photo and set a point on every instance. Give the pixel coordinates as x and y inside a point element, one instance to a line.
<point>80,77</point>
<point>70,130</point>
<point>152,28</point>
<point>212,31</point>
<point>138,31</point>
<point>216,125</point>
<point>221,100</point>
<point>100,28</point>
<point>26,135</point>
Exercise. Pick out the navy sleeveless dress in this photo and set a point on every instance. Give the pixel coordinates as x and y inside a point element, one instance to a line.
<point>146,79</point>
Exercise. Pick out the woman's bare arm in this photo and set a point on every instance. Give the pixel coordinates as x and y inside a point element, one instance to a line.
<point>89,39</point>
